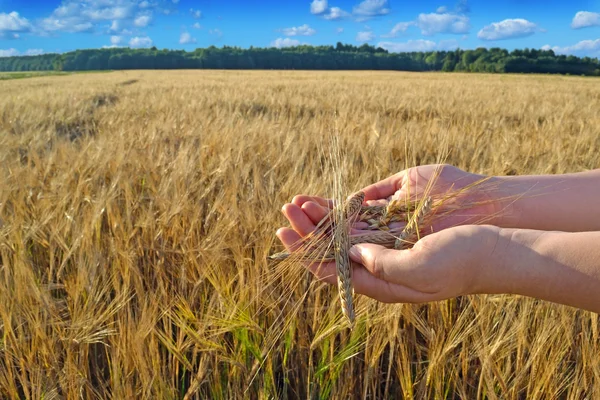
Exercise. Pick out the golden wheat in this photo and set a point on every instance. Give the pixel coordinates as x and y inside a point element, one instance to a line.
<point>136,220</point>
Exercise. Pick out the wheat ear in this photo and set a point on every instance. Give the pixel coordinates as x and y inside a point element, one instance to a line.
<point>413,225</point>
<point>344,219</point>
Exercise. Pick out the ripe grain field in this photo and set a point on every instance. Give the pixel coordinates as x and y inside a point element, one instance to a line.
<point>137,211</point>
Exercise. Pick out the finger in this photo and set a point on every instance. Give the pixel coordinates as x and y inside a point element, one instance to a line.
<point>381,202</point>
<point>366,284</point>
<point>292,241</point>
<point>314,211</point>
<point>298,219</point>
<point>389,265</point>
<point>290,238</point>
<point>385,188</point>
<point>300,199</point>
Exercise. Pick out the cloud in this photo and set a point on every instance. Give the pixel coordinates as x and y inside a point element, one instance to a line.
<point>15,52</point>
<point>12,24</point>
<point>88,15</point>
<point>197,26</point>
<point>138,42</point>
<point>335,13</point>
<point>142,21</point>
<point>175,1</point>
<point>585,48</point>
<point>34,52</point>
<point>364,37</point>
<point>339,30</point>
<point>442,10</point>
<point>400,27</point>
<point>285,42</point>
<point>186,38</point>
<point>418,45</point>
<point>371,8</point>
<point>433,23</point>
<point>508,29</point>
<point>9,52</point>
<point>302,30</point>
<point>584,19</point>
<point>321,7</point>
<point>318,7</point>
<point>116,40</point>
<point>216,32</point>
<point>197,14</point>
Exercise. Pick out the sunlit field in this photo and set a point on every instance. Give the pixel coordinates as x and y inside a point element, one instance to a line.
<point>137,211</point>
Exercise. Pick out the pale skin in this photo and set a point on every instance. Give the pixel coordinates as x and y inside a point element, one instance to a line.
<point>541,240</point>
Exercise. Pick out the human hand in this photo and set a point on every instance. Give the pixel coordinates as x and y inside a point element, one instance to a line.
<point>462,208</point>
<point>440,266</point>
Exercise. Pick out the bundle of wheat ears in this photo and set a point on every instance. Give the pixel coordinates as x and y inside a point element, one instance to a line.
<point>331,240</point>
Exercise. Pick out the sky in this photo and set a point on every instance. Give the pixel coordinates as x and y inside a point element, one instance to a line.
<point>29,27</point>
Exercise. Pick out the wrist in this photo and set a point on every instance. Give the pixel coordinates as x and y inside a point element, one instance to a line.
<point>504,198</point>
<point>513,261</point>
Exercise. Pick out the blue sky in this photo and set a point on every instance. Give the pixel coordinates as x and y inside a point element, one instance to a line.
<point>44,26</point>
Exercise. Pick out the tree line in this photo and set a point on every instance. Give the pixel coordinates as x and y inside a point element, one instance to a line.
<point>339,57</point>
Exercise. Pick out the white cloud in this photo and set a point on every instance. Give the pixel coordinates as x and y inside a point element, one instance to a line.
<point>186,38</point>
<point>371,8</point>
<point>9,53</point>
<point>34,52</point>
<point>89,15</point>
<point>400,27</point>
<point>442,10</point>
<point>284,42</point>
<point>335,13</point>
<point>302,30</point>
<point>366,36</point>
<point>585,48</point>
<point>215,32</point>
<point>116,26</point>
<point>12,24</point>
<point>583,19</point>
<point>142,21</point>
<point>197,26</point>
<point>508,29</point>
<point>71,25</point>
<point>197,14</point>
<point>15,52</point>
<point>418,45</point>
<point>116,40</point>
<point>143,41</point>
<point>433,23</point>
<point>318,7</point>
<point>339,30</point>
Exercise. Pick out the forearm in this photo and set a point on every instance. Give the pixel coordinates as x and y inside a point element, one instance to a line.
<point>555,266</point>
<point>568,202</point>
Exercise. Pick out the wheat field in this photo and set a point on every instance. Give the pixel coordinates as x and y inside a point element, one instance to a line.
<point>137,211</point>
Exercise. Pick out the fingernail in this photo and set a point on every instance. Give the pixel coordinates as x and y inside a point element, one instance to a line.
<point>355,252</point>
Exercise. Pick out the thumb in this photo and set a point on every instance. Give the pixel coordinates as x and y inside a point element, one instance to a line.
<point>378,260</point>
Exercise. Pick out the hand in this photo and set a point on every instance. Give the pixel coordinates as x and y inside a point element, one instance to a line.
<point>440,266</point>
<point>305,211</point>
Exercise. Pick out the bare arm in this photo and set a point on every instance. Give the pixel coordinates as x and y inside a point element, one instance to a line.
<point>554,266</point>
<point>569,202</point>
